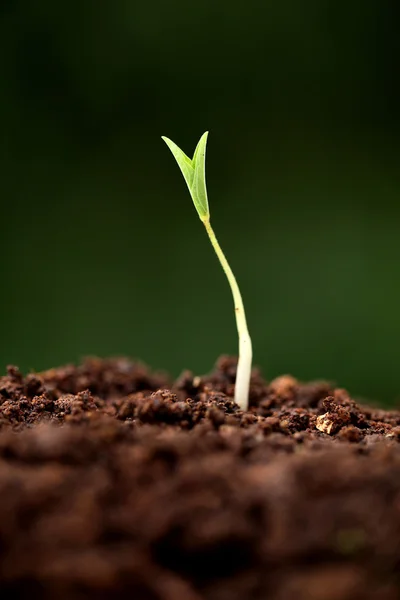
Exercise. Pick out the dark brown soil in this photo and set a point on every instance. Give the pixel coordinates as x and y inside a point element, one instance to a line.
<point>116,483</point>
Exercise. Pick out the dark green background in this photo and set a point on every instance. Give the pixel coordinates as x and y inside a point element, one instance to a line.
<point>102,251</point>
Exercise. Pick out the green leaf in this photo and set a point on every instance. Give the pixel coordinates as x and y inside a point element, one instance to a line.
<point>184,162</point>
<point>194,173</point>
<point>199,190</point>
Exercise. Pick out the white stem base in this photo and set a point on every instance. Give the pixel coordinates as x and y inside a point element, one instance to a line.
<point>243,372</point>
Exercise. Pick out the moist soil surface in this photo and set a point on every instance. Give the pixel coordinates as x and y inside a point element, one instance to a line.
<point>118,483</point>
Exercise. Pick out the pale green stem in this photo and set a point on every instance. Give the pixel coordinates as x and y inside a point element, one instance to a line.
<point>243,372</point>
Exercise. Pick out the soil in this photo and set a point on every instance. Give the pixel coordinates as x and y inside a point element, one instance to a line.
<point>118,483</point>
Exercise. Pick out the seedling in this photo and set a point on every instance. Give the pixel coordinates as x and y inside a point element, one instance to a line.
<point>193,171</point>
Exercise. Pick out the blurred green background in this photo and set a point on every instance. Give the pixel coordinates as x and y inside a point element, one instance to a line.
<point>103,252</point>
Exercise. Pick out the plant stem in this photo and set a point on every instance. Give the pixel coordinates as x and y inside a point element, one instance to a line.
<point>243,372</point>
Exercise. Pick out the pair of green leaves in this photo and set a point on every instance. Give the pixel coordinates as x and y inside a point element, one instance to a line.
<point>194,172</point>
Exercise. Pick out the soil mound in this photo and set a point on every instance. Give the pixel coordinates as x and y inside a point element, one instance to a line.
<point>117,483</point>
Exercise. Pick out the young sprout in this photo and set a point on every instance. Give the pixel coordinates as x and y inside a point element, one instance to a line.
<point>193,171</point>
